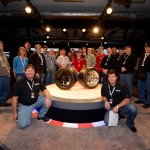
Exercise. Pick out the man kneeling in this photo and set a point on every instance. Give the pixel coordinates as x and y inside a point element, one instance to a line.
<point>26,92</point>
<point>116,96</point>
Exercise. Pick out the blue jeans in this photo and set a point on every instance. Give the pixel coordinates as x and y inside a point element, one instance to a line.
<point>50,77</point>
<point>144,85</point>
<point>25,112</point>
<point>131,111</point>
<point>128,80</point>
<point>4,89</point>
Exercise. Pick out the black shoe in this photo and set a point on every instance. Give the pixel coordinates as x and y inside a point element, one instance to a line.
<point>146,106</point>
<point>5,105</point>
<point>133,129</point>
<point>45,119</point>
<point>138,102</point>
<point>121,117</point>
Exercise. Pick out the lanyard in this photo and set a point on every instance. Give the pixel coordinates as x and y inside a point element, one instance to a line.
<point>51,60</point>
<point>107,60</point>
<point>31,87</point>
<point>23,61</point>
<point>1,58</point>
<point>125,58</point>
<point>146,55</point>
<point>111,92</point>
<point>101,57</point>
<point>41,58</point>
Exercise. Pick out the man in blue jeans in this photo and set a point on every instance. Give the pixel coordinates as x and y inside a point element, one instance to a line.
<point>4,78</point>
<point>26,92</point>
<point>117,97</point>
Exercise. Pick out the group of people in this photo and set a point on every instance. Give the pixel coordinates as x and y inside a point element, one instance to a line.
<point>37,69</point>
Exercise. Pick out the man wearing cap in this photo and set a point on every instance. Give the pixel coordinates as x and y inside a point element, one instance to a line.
<point>144,84</point>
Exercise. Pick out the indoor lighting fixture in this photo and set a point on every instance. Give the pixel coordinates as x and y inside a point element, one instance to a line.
<point>109,10</point>
<point>102,38</point>
<point>28,8</point>
<point>95,29</point>
<point>44,41</point>
<point>47,29</point>
<point>83,30</point>
<point>47,36</point>
<point>64,29</point>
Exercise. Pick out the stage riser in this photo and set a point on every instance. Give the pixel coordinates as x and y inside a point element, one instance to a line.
<point>76,116</point>
<point>78,106</point>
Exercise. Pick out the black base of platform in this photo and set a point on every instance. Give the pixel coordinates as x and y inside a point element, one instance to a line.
<point>76,116</point>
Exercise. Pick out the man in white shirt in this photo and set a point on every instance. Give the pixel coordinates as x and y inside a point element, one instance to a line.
<point>63,60</point>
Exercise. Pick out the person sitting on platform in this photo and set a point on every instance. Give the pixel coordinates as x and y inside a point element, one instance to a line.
<point>116,96</point>
<point>26,92</point>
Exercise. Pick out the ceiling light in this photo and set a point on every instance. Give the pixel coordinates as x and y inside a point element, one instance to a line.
<point>64,29</point>
<point>44,41</point>
<point>95,29</point>
<point>83,30</point>
<point>109,10</point>
<point>47,36</point>
<point>28,8</point>
<point>102,38</point>
<point>48,29</point>
<point>105,42</point>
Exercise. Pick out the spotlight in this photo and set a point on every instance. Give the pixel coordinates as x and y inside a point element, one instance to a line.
<point>64,29</point>
<point>83,30</point>
<point>28,8</point>
<point>48,29</point>
<point>102,38</point>
<point>105,42</point>
<point>109,10</point>
<point>47,36</point>
<point>44,41</point>
<point>95,29</point>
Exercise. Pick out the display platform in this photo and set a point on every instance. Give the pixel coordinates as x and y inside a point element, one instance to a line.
<point>76,105</point>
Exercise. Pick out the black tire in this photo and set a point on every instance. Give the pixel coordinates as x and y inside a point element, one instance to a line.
<point>89,77</point>
<point>64,78</point>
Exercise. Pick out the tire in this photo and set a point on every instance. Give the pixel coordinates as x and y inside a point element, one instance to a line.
<point>89,77</point>
<point>64,78</point>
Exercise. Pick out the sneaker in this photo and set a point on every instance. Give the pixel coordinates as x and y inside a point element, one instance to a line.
<point>146,106</point>
<point>133,129</point>
<point>138,102</point>
<point>45,119</point>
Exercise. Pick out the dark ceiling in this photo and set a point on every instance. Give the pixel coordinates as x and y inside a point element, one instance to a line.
<point>130,21</point>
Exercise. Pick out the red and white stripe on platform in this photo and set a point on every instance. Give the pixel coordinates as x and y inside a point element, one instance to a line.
<point>71,125</point>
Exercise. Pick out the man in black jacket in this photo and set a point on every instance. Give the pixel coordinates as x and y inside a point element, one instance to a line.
<point>37,59</point>
<point>108,62</point>
<point>143,84</point>
<point>127,64</point>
